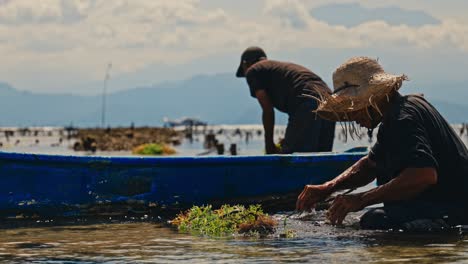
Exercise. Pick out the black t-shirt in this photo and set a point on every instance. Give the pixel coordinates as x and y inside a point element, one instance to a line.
<point>283,82</point>
<point>415,135</point>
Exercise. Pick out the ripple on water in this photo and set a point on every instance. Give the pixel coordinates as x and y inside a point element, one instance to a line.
<point>156,243</point>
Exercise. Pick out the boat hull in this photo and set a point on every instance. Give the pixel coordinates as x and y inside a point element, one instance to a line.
<point>55,185</point>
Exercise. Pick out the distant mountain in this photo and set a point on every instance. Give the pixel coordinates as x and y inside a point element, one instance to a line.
<point>20,108</point>
<point>353,14</point>
<point>216,99</point>
<point>220,98</point>
<point>6,89</point>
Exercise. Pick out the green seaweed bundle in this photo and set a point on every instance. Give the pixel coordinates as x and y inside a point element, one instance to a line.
<point>226,221</point>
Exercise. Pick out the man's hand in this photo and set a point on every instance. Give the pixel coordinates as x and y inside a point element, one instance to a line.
<point>342,205</point>
<point>310,196</point>
<point>360,174</point>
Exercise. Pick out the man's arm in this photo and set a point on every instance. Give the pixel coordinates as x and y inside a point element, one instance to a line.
<point>410,182</point>
<point>268,118</point>
<point>360,174</point>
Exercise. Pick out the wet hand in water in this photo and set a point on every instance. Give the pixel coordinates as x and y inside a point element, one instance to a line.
<point>342,205</point>
<point>310,196</point>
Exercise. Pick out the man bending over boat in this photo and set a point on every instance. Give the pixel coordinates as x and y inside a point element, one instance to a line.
<point>281,85</point>
<point>420,163</point>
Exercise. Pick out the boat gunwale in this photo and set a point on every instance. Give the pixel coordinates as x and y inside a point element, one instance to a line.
<point>194,160</point>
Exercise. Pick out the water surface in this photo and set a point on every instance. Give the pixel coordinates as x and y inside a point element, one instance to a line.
<point>156,242</point>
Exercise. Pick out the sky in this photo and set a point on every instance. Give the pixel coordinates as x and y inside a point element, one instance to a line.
<point>64,46</point>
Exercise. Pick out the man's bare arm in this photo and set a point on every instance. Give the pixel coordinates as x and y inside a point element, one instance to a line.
<point>409,183</point>
<point>268,118</point>
<point>360,174</point>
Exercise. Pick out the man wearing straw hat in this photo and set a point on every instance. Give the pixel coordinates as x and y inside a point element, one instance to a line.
<point>281,85</point>
<point>419,162</point>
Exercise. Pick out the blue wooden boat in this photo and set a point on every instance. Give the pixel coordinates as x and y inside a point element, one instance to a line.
<point>54,185</point>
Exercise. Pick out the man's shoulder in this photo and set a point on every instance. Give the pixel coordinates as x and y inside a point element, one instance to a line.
<point>265,65</point>
<point>408,107</point>
<point>257,67</point>
<point>261,68</point>
<point>415,99</point>
<point>274,65</point>
<point>289,66</point>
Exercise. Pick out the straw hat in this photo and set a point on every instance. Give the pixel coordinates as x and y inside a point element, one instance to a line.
<point>358,83</point>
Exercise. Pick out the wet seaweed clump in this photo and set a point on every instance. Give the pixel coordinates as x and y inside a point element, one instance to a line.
<point>153,149</point>
<point>226,221</point>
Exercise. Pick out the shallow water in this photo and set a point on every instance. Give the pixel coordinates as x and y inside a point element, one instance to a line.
<point>226,134</point>
<point>151,242</point>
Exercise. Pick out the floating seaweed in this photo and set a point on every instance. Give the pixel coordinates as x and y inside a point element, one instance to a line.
<point>226,221</point>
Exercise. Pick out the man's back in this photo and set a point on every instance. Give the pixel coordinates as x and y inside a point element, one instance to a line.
<point>284,82</point>
<point>415,135</point>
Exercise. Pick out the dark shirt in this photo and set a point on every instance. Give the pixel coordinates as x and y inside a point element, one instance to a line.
<point>415,135</point>
<point>283,82</point>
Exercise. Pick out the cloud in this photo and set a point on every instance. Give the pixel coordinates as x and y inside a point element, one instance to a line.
<point>23,12</point>
<point>319,34</point>
<point>290,12</point>
<point>76,38</point>
<point>353,14</point>
<point>145,26</point>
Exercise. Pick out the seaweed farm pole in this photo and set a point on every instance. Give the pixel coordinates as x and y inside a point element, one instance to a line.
<point>104,93</point>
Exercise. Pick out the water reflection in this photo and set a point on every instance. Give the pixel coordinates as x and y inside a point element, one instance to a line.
<point>149,242</point>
